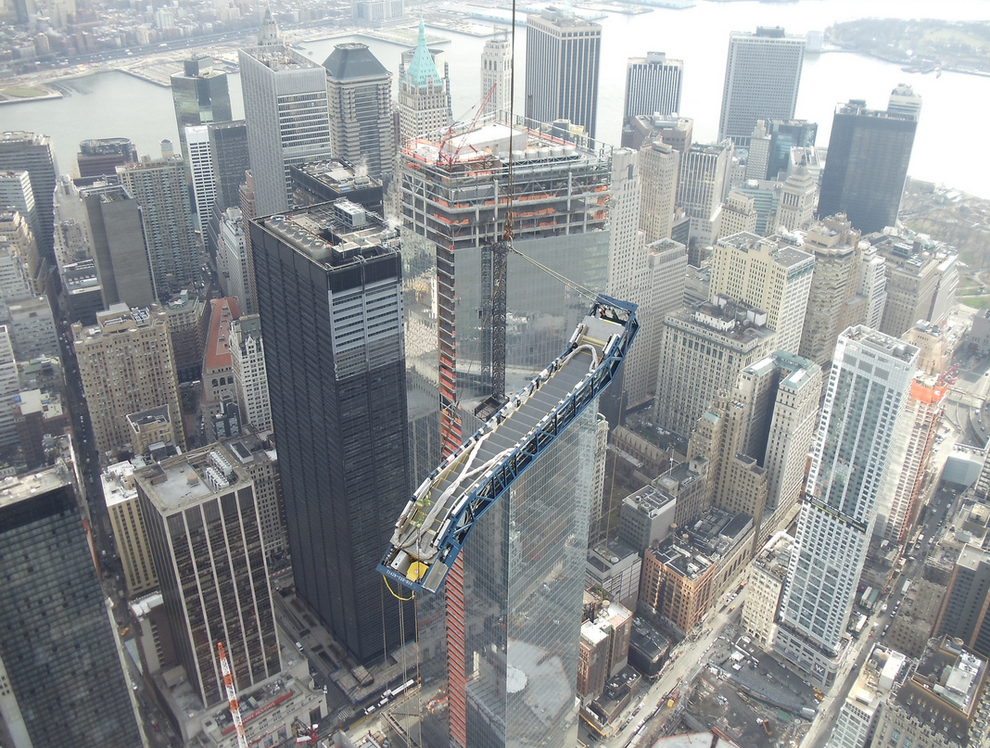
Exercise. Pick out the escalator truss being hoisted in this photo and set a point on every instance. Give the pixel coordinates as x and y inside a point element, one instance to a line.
<point>432,528</point>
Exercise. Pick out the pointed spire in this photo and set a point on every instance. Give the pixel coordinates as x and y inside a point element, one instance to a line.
<point>422,69</point>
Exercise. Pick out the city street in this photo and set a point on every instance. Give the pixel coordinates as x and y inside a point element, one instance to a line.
<point>686,661</point>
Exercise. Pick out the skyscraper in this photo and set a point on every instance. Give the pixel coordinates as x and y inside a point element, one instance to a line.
<point>658,169</point>
<point>653,85</point>
<point>868,155</point>
<point>525,563</point>
<point>898,507</point>
<point>658,290</point>
<point>126,366</point>
<point>33,152</point>
<point>496,71</point>
<point>16,194</point>
<point>775,279</point>
<point>200,95</point>
<point>762,75</point>
<point>330,297</point>
<point>702,184</point>
<point>562,55</point>
<point>360,100</point>
<point>161,189</point>
<point>229,161</point>
<point>197,150</point>
<point>796,210</point>
<point>285,100</point>
<point>118,243</point>
<point>424,94</point>
<point>201,513</point>
<point>759,152</point>
<point>247,352</point>
<point>704,349</point>
<point>229,155</point>
<point>868,387</point>
<point>60,669</point>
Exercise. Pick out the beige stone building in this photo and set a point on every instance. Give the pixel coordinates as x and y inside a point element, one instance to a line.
<point>129,530</point>
<point>149,427</point>
<point>766,582</point>
<point>738,215</point>
<point>658,168</point>
<point>832,303</point>
<point>126,366</point>
<point>704,349</point>
<point>769,276</point>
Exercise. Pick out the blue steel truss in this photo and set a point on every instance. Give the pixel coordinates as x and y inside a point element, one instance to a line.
<point>482,494</point>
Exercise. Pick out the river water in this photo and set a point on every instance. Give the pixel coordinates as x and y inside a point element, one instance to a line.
<point>949,147</point>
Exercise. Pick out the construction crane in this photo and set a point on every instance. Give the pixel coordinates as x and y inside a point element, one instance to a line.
<point>235,709</point>
<point>449,159</point>
<point>436,521</point>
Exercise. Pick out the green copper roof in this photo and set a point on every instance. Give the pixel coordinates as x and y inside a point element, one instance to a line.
<point>422,70</point>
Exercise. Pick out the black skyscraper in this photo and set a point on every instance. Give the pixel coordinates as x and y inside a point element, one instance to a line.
<point>330,299</point>
<point>229,158</point>
<point>868,155</point>
<point>61,681</point>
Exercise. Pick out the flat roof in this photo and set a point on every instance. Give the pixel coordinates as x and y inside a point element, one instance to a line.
<point>14,489</point>
<point>188,479</point>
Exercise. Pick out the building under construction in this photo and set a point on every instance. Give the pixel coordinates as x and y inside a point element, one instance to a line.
<point>455,195</point>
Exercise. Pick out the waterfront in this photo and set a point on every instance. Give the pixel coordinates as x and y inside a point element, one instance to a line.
<point>946,147</point>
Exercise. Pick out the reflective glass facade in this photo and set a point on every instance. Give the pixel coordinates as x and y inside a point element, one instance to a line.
<point>56,641</point>
<point>524,570</point>
<point>334,353</point>
<point>868,156</point>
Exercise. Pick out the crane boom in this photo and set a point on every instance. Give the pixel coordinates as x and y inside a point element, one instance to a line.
<point>235,709</point>
<point>432,528</point>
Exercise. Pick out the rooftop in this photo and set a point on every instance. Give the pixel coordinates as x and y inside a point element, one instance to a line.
<point>279,57</point>
<point>148,417</point>
<point>422,71</point>
<point>18,488</point>
<point>118,481</point>
<point>334,234</point>
<point>649,500</point>
<point>188,479</point>
<point>882,343</point>
<point>354,61</point>
<point>774,557</point>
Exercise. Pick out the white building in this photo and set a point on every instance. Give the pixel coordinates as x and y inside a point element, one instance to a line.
<point>201,172</point>
<point>496,71</point>
<point>653,85</point>
<point>658,164</point>
<point>232,260</point>
<point>247,352</point>
<point>762,75</point>
<point>774,278</point>
<point>867,391</point>
<point>285,100</point>
<point>702,186</point>
<point>562,56</point>
<point>766,582</point>
<point>424,95</point>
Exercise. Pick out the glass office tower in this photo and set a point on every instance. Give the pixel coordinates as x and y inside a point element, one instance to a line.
<point>525,569</point>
